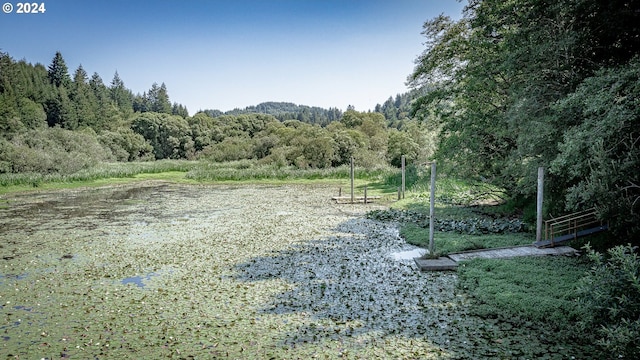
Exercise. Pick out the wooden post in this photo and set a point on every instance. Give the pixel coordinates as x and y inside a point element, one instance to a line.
<point>399,190</point>
<point>339,191</point>
<point>352,175</point>
<point>539,203</point>
<point>365,194</point>
<point>403,178</point>
<point>432,205</point>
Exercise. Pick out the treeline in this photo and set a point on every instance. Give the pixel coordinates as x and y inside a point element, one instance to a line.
<point>287,111</point>
<point>396,111</point>
<point>53,122</point>
<point>528,83</point>
<point>34,96</point>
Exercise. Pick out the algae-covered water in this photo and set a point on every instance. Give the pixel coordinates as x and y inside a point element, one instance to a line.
<point>182,271</point>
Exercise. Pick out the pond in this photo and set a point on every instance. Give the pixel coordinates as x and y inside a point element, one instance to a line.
<point>160,270</point>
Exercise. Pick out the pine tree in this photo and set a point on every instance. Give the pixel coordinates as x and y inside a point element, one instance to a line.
<point>59,110</point>
<point>141,103</point>
<point>120,95</point>
<point>180,110</point>
<point>58,71</point>
<point>162,104</point>
<point>107,114</point>
<point>83,98</point>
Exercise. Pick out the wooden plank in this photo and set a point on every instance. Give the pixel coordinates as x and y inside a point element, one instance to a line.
<point>439,264</point>
<point>505,253</point>
<point>451,261</point>
<point>339,198</point>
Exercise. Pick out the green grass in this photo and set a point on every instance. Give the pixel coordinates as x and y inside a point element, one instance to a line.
<point>450,242</point>
<point>539,289</point>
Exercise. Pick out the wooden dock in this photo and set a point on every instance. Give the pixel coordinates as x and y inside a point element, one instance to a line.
<point>356,199</point>
<point>450,262</point>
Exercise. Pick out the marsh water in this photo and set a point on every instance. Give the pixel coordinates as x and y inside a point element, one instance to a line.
<point>159,270</point>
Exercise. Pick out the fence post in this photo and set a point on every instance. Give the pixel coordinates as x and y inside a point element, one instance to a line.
<point>539,203</point>
<point>403,177</point>
<point>365,194</point>
<point>352,175</point>
<point>432,206</point>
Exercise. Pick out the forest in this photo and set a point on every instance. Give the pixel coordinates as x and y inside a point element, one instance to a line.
<point>515,85</point>
<point>507,88</point>
<point>54,122</point>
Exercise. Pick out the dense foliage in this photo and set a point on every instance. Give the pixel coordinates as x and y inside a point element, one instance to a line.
<point>610,298</point>
<point>528,83</point>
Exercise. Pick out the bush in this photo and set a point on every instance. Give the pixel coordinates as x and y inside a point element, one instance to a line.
<point>126,145</point>
<point>169,135</point>
<point>52,150</point>
<point>230,149</point>
<point>610,299</point>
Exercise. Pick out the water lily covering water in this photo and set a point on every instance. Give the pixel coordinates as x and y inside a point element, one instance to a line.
<point>183,271</point>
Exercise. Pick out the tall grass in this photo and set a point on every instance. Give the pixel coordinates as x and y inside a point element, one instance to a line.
<point>242,170</point>
<point>100,171</point>
<point>247,171</point>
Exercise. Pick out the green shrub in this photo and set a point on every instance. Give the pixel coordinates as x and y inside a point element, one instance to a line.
<point>610,299</point>
<point>230,149</point>
<point>126,145</point>
<point>52,150</point>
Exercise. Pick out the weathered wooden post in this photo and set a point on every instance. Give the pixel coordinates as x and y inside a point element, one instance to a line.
<point>402,161</point>
<point>432,205</point>
<point>339,191</point>
<point>352,176</point>
<point>539,203</point>
<point>365,194</point>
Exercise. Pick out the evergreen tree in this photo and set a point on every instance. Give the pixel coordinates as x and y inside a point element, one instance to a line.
<point>60,111</point>
<point>120,95</point>
<point>162,103</point>
<point>107,114</point>
<point>6,73</point>
<point>58,71</point>
<point>83,98</point>
<point>180,110</point>
<point>141,103</point>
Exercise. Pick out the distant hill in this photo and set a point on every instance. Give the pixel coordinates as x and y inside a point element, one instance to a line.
<point>395,110</point>
<point>287,111</point>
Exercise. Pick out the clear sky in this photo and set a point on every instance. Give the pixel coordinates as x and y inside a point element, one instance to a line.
<point>215,54</point>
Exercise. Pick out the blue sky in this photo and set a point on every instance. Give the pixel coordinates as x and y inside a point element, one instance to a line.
<point>225,54</point>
